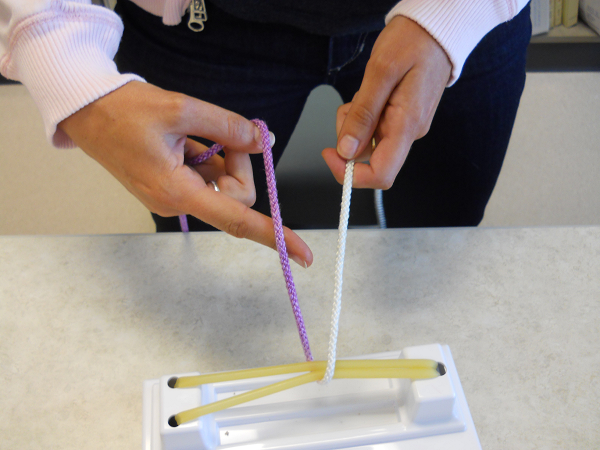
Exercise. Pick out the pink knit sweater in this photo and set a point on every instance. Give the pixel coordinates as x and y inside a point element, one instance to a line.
<point>62,50</point>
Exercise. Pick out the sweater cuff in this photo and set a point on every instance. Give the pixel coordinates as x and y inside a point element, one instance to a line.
<point>457,25</point>
<point>64,56</point>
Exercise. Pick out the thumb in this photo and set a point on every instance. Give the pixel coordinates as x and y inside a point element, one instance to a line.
<point>362,118</point>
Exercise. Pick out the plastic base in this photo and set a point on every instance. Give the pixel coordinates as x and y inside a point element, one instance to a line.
<point>383,414</point>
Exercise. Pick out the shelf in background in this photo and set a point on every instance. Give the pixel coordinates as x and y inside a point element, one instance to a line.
<point>562,49</point>
<point>577,34</point>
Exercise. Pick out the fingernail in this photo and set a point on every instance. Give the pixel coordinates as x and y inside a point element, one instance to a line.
<point>271,138</point>
<point>299,261</point>
<point>348,147</point>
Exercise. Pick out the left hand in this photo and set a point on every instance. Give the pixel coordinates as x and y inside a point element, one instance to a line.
<point>402,86</point>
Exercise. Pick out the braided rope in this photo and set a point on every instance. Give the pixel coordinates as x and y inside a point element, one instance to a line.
<point>282,248</point>
<point>279,239</point>
<point>277,225</point>
<point>339,271</point>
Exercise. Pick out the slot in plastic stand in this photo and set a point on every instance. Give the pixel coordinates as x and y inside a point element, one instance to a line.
<point>381,414</point>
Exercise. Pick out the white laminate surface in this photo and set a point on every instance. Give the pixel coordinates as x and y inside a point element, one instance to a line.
<point>84,320</point>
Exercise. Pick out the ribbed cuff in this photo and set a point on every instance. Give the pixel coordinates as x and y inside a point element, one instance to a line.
<point>65,59</point>
<point>457,25</point>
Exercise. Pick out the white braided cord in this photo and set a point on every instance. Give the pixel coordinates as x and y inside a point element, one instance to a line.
<point>379,209</point>
<point>339,271</point>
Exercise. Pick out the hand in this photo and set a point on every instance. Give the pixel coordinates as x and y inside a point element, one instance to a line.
<point>139,134</point>
<point>402,86</point>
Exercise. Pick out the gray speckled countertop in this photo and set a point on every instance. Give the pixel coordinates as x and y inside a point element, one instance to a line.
<point>84,320</point>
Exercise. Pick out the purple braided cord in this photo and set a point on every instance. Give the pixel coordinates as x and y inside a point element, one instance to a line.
<point>277,225</point>
<point>216,148</point>
<point>279,239</point>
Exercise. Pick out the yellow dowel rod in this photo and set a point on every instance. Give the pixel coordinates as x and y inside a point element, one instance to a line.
<point>413,374</point>
<point>418,373</point>
<point>192,414</point>
<point>193,381</point>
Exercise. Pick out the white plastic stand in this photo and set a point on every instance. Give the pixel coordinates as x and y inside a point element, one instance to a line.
<point>383,414</point>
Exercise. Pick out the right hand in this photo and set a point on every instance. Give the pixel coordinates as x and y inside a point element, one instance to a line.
<point>139,134</point>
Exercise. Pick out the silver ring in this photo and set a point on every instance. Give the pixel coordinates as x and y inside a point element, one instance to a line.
<point>214,183</point>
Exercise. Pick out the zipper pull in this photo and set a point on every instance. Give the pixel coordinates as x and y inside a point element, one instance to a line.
<point>197,15</point>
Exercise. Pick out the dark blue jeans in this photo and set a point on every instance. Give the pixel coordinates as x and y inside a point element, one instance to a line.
<point>267,71</point>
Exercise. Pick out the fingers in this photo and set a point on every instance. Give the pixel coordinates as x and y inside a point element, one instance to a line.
<point>197,118</point>
<point>145,146</point>
<point>366,108</point>
<point>402,86</point>
<point>233,174</point>
<point>235,218</point>
<point>397,129</point>
<point>380,173</point>
<point>342,112</point>
<point>336,164</point>
<point>228,210</point>
<point>239,182</point>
